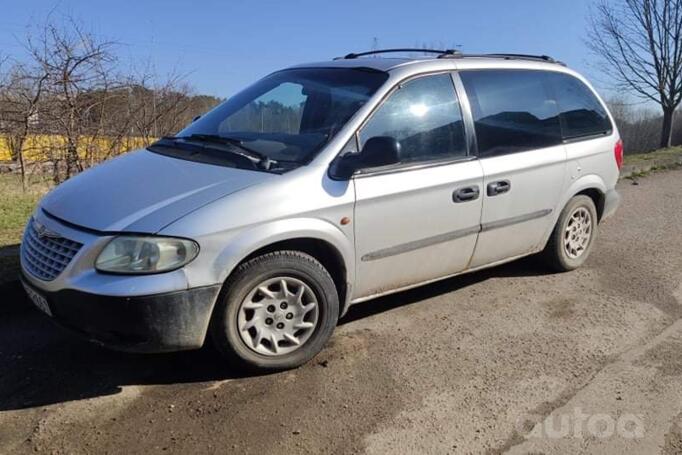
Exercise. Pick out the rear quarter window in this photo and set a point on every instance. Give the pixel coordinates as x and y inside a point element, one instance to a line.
<point>582,114</point>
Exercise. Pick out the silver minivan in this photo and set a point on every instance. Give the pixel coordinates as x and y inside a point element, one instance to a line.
<point>321,186</point>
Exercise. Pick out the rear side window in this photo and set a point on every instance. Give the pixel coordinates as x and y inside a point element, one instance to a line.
<point>581,112</point>
<point>424,116</point>
<point>513,110</point>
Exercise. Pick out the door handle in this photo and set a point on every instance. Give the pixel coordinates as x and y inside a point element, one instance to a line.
<point>468,193</point>
<point>499,187</point>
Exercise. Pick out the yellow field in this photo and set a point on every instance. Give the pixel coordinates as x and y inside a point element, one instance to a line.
<point>45,146</point>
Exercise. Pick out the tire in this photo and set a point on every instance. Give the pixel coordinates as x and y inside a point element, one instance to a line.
<point>252,312</point>
<point>562,257</point>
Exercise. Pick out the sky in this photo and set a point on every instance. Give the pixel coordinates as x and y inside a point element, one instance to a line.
<point>222,46</point>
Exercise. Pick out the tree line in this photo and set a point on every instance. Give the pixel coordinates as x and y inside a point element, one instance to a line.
<point>70,103</point>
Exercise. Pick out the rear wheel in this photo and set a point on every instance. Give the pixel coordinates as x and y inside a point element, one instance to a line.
<point>573,236</point>
<point>276,312</point>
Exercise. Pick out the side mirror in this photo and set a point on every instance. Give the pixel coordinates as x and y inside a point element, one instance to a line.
<point>378,151</point>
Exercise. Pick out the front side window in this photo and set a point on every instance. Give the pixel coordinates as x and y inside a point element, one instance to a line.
<point>581,112</point>
<point>513,110</point>
<point>424,116</point>
<point>288,116</point>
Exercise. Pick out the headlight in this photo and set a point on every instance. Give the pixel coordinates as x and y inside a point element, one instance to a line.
<point>140,255</point>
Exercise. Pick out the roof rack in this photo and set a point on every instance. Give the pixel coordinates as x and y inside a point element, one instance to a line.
<point>453,53</point>
<point>441,53</point>
<point>539,58</point>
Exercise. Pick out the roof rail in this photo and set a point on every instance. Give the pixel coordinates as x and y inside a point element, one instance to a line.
<point>442,53</point>
<point>540,58</point>
<point>453,53</point>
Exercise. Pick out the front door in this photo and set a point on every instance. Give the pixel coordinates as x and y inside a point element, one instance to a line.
<point>418,220</point>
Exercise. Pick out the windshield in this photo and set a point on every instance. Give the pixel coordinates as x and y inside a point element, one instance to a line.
<point>289,115</point>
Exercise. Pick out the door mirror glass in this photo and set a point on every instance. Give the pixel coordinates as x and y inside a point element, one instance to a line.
<point>378,151</point>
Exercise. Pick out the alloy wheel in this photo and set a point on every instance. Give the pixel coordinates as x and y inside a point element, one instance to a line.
<point>578,233</point>
<point>278,316</point>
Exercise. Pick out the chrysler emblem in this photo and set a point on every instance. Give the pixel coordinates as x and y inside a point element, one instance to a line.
<point>43,232</point>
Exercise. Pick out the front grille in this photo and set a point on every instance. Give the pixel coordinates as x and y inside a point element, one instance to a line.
<point>46,254</point>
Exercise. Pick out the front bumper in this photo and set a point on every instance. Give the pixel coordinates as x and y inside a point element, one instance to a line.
<point>172,321</point>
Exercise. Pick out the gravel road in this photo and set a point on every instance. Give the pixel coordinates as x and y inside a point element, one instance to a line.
<point>507,360</point>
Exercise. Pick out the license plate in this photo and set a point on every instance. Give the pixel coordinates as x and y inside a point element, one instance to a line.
<point>38,300</point>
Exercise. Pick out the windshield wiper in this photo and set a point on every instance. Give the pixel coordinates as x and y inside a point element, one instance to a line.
<point>254,156</point>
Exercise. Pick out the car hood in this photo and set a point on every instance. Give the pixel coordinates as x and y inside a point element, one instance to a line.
<point>143,192</point>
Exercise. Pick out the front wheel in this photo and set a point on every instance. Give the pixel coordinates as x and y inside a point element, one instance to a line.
<point>276,312</point>
<point>573,236</point>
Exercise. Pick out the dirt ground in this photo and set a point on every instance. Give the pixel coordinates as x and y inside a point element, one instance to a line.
<point>507,360</point>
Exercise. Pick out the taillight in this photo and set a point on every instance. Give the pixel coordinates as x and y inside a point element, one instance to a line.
<point>618,153</point>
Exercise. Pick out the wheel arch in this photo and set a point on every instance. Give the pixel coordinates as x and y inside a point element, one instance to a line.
<point>598,197</point>
<point>323,251</point>
<point>318,238</point>
<point>590,185</point>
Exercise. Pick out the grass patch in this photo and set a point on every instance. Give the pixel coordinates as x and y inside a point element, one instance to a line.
<point>16,206</point>
<point>643,158</point>
<point>638,174</point>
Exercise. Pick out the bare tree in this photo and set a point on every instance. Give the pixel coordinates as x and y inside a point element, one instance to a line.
<point>80,71</point>
<point>20,95</point>
<point>640,45</point>
<point>157,106</point>
<point>75,100</point>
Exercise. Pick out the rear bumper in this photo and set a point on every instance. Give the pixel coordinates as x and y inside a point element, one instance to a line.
<point>611,203</point>
<point>166,322</point>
